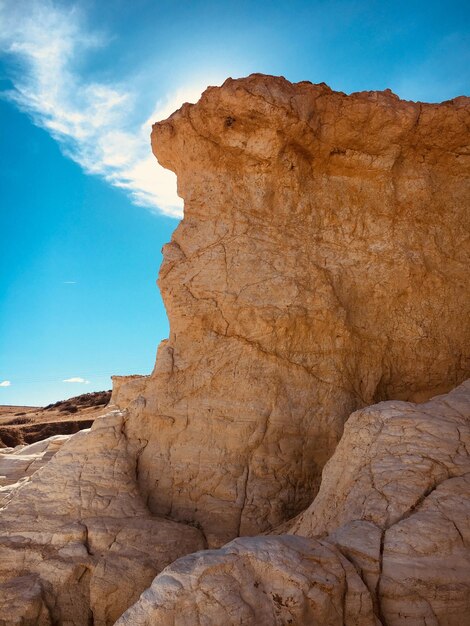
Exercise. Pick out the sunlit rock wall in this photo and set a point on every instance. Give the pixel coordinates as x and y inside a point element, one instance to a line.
<point>321,266</point>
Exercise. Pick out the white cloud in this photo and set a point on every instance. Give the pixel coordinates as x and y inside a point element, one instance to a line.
<point>5,383</point>
<point>94,122</point>
<point>76,379</point>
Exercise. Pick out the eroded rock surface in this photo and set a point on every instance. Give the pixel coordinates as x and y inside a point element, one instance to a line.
<point>395,500</point>
<point>76,539</point>
<point>322,266</point>
<point>261,581</point>
<point>19,463</point>
<point>389,537</point>
<point>391,456</point>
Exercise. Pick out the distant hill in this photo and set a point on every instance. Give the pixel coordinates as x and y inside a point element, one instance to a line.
<point>27,424</point>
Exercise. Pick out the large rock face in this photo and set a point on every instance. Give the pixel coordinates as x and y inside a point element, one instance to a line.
<point>321,266</point>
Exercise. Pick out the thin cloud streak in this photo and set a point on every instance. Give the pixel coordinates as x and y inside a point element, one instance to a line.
<point>76,379</point>
<point>5,383</point>
<point>93,122</point>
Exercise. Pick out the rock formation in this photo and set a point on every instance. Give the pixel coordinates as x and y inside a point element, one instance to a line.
<point>258,581</point>
<point>322,266</point>
<point>393,503</point>
<point>18,464</point>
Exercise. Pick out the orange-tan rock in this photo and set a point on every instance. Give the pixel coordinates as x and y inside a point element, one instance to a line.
<point>123,392</point>
<point>394,499</point>
<point>322,266</point>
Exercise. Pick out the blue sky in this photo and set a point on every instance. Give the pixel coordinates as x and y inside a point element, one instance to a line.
<point>85,207</point>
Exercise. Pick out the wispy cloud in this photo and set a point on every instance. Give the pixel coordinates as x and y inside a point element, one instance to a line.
<point>76,379</point>
<point>5,383</point>
<point>94,122</point>
<point>70,282</point>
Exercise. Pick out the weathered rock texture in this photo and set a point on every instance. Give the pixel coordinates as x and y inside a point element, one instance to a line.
<point>387,539</point>
<point>392,529</point>
<point>259,581</point>
<point>77,543</point>
<point>322,265</point>
<point>395,497</point>
<point>18,464</point>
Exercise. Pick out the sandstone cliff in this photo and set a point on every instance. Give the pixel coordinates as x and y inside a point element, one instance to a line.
<point>322,266</point>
